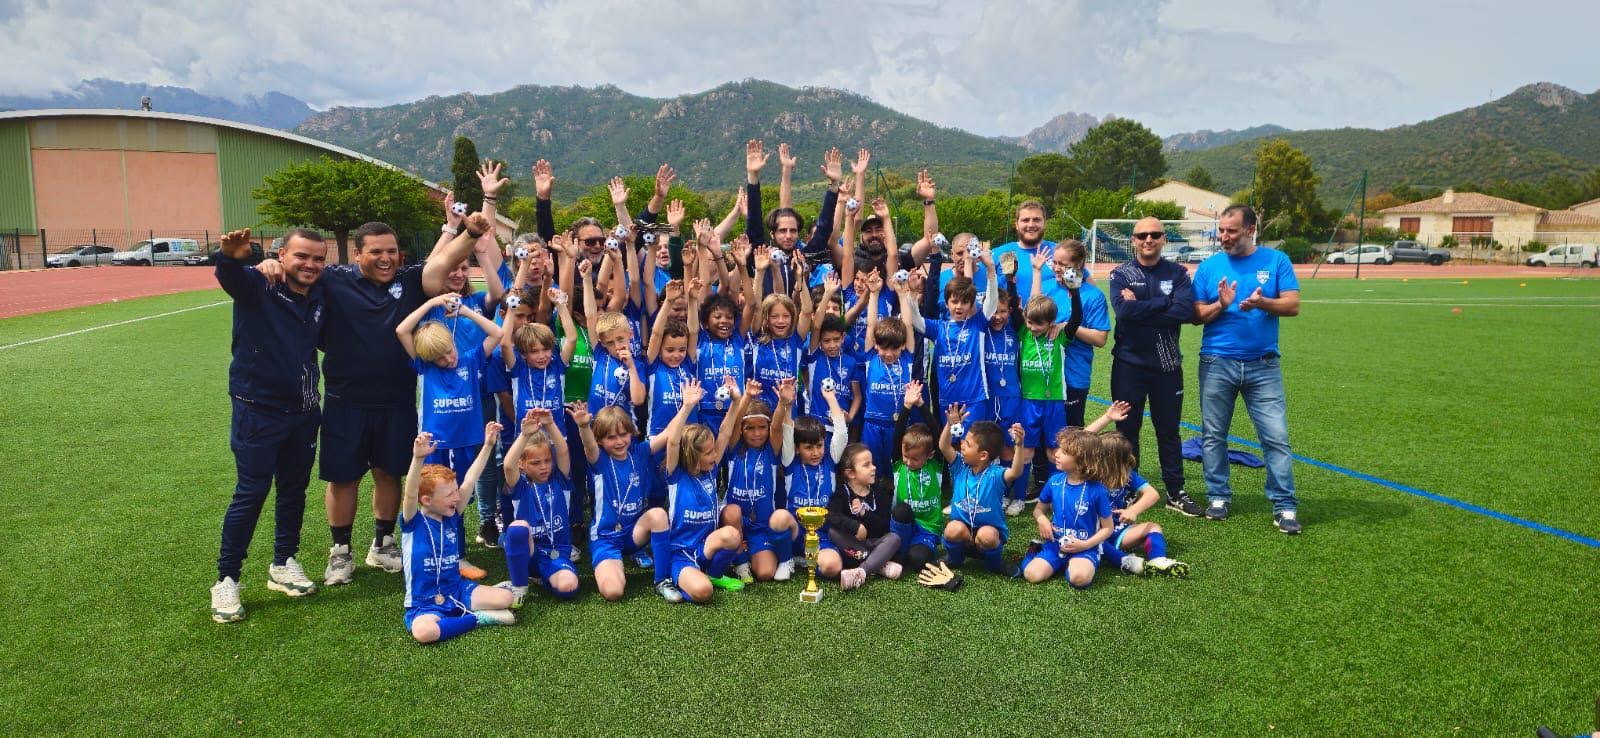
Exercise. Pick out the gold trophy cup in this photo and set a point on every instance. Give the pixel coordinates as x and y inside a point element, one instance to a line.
<point>812,518</point>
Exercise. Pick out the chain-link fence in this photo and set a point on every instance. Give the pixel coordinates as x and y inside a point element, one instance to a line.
<point>84,247</point>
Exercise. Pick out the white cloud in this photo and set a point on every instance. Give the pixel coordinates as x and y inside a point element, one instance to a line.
<point>1002,66</point>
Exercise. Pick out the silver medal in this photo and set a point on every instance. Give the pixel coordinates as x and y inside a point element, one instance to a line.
<point>438,599</point>
<point>553,554</point>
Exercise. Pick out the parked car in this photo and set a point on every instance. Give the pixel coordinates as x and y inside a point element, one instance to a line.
<point>1415,251</point>
<point>1367,253</point>
<point>1188,253</point>
<point>209,256</point>
<point>1572,254</point>
<point>82,255</point>
<point>168,251</point>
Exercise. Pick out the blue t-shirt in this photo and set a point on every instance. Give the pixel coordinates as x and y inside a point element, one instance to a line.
<point>1000,362</point>
<point>717,358</point>
<point>1075,509</point>
<point>1023,280</point>
<point>545,508</point>
<point>463,328</point>
<point>496,380</point>
<point>978,499</point>
<point>843,370</point>
<point>1235,334</point>
<point>958,363</point>
<point>855,342</point>
<point>621,490</point>
<point>692,510</point>
<point>666,392</point>
<point>809,486</point>
<point>610,386</point>
<point>884,387</point>
<point>430,553</point>
<point>450,409</point>
<point>1080,355</point>
<point>753,483</point>
<point>1122,498</point>
<point>532,387</point>
<point>776,360</point>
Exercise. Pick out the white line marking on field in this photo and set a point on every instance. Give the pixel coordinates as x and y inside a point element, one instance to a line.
<point>1593,306</point>
<point>109,325</point>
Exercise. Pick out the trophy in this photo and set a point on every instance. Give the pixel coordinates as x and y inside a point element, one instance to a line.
<point>812,518</point>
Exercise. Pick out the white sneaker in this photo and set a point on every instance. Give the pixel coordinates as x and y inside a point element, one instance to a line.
<point>290,579</point>
<point>225,606</point>
<point>669,591</point>
<point>341,566</point>
<point>1133,564</point>
<point>384,555</point>
<point>742,571</point>
<point>1015,507</point>
<point>518,594</point>
<point>852,578</point>
<point>890,570</point>
<point>1169,566</point>
<point>784,572</point>
<point>495,617</point>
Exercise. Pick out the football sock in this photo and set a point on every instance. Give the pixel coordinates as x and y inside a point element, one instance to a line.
<point>381,528</point>
<point>719,563</point>
<point>341,534</point>
<point>919,557</point>
<point>1019,488</point>
<point>957,552</point>
<point>454,626</point>
<point>661,551</point>
<point>1113,555</point>
<point>994,558</point>
<point>517,555</point>
<point>1155,545</point>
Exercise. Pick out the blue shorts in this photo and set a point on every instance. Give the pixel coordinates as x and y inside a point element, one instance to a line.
<point>912,534</point>
<point>684,559</point>
<point>797,546</point>
<point>878,435</point>
<point>612,546</point>
<point>452,606</point>
<point>1007,410</point>
<point>1041,421</point>
<point>355,439</point>
<point>1115,541</point>
<point>1058,561</point>
<point>458,459</point>
<point>976,411</point>
<point>548,567</point>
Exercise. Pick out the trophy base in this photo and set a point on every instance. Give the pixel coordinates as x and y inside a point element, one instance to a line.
<point>811,597</point>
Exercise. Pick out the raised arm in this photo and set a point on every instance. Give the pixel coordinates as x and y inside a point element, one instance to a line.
<point>802,295</point>
<point>1116,412</point>
<point>239,281</point>
<point>891,246</point>
<point>752,313</point>
<point>581,418</point>
<point>491,331</point>
<point>725,228</point>
<point>658,329</point>
<point>841,430</point>
<point>489,177</point>
<point>591,310</point>
<point>953,415</point>
<point>420,448</point>
<point>1019,461</point>
<point>558,442</point>
<point>408,325</point>
<point>927,191</point>
<point>569,326</point>
<point>619,201</point>
<point>786,173</point>
<point>511,466</point>
<point>491,438</point>
<point>691,393</point>
<point>902,419</point>
<point>991,290</point>
<point>490,258</point>
<point>755,157</point>
<point>781,415</point>
<point>830,287</point>
<point>734,419</point>
<point>444,259</point>
<point>833,169</point>
<point>911,311</point>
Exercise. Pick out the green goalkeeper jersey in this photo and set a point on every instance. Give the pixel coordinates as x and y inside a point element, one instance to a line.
<point>920,490</point>
<point>1043,370</point>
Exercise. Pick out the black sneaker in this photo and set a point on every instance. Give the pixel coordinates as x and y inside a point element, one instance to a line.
<point>1217,510</point>
<point>1181,503</point>
<point>1287,522</point>
<point>489,534</point>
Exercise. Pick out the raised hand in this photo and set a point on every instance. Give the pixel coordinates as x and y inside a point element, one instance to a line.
<point>741,248</point>
<point>754,157</point>
<point>491,432</point>
<point>665,175</point>
<point>423,445</point>
<point>544,180</point>
<point>752,387</point>
<point>1253,301</point>
<point>913,394</point>
<point>926,189</point>
<point>833,165</point>
<point>1118,411</point>
<point>477,225</point>
<point>489,177</point>
<point>557,297</point>
<point>956,413</point>
<point>584,268</point>
<point>784,159</point>
<point>530,420</point>
<point>874,282</point>
<point>863,160</point>
<point>691,392</point>
<point>830,283</point>
<point>697,288</point>
<point>880,208</point>
<point>450,217</point>
<point>236,245</point>
<point>272,270</point>
<point>618,190</point>
<point>763,259</point>
<point>625,355</point>
<point>673,290</point>
<point>740,202</point>
<point>786,390</point>
<point>579,410</point>
<point>1040,259</point>
<point>703,232</point>
<point>675,211</point>
<point>1017,433</point>
<point>565,244</point>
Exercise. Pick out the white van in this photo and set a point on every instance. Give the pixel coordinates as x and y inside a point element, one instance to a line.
<point>168,251</point>
<point>1572,254</point>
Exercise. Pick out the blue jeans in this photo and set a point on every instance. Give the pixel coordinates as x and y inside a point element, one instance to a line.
<point>1260,382</point>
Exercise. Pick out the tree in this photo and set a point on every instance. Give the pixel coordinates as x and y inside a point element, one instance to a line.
<point>1047,177</point>
<point>464,170</point>
<point>1118,153</point>
<point>339,195</point>
<point>1199,177</point>
<point>1285,190</point>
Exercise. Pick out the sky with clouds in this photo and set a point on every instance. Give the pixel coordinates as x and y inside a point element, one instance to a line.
<point>995,67</point>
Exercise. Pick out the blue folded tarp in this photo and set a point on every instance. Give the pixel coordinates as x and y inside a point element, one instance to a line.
<point>1191,451</point>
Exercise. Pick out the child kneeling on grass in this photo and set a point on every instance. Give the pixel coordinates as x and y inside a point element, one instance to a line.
<point>440,605</point>
<point>977,504</point>
<point>536,480</point>
<point>1073,514</point>
<point>700,552</point>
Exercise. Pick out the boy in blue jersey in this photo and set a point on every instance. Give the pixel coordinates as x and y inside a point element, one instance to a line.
<point>617,382</point>
<point>977,515</point>
<point>830,367</point>
<point>452,388</point>
<point>884,380</point>
<point>671,358</point>
<point>1073,514</point>
<point>810,456</point>
<point>1000,364</point>
<point>752,468</point>
<point>719,355</point>
<point>621,477</point>
<point>439,605</point>
<point>1131,496</point>
<point>536,479</point>
<point>959,343</point>
<point>695,551</point>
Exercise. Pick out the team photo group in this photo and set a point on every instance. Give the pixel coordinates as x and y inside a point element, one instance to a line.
<point>645,396</point>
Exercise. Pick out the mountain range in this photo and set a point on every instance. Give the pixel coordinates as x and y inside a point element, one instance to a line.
<point>1058,135</point>
<point>272,110</point>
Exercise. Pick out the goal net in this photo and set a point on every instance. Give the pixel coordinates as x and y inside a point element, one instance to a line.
<point>1110,240</point>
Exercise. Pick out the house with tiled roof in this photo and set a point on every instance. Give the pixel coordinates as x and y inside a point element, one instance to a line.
<point>1590,208</point>
<point>1198,203</point>
<point>1475,217</point>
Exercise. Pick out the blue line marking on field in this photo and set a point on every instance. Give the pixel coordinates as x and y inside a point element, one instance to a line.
<point>1408,489</point>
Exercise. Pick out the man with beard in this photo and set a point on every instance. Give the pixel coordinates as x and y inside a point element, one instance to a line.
<point>1152,298</point>
<point>785,223</point>
<point>1239,357</point>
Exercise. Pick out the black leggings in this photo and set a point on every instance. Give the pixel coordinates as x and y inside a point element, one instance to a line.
<point>880,550</point>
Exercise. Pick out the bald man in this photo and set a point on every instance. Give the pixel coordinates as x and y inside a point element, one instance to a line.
<point>1152,298</point>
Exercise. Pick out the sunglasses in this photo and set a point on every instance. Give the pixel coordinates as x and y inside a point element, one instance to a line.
<point>596,241</point>
<point>1149,235</point>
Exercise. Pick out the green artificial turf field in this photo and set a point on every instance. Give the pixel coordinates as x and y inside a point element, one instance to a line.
<point>1392,614</point>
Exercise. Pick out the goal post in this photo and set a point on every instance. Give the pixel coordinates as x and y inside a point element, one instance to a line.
<point>1190,240</point>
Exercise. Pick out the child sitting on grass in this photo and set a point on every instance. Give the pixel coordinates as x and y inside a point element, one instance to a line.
<point>439,604</point>
<point>1131,496</point>
<point>1073,514</point>
<point>539,535</point>
<point>977,514</point>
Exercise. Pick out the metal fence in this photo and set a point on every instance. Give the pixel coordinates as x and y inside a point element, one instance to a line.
<point>23,249</point>
<point>1487,248</point>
